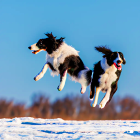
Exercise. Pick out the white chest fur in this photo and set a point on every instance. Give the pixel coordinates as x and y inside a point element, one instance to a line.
<point>108,77</point>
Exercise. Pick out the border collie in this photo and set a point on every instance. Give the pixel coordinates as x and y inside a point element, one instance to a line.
<point>106,75</point>
<point>62,59</point>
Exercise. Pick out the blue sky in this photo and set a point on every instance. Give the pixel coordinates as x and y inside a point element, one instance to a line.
<point>84,24</point>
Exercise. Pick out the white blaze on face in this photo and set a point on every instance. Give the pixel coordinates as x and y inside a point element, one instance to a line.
<point>34,47</point>
<point>118,58</point>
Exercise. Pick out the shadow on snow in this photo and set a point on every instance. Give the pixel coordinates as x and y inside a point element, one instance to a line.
<point>52,132</point>
<point>134,133</point>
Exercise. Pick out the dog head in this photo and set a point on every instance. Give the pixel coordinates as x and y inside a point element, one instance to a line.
<point>49,44</point>
<point>113,58</point>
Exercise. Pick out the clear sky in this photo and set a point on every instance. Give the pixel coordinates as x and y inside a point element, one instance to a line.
<point>84,24</point>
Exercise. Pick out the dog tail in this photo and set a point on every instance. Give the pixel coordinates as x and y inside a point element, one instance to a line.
<point>103,49</point>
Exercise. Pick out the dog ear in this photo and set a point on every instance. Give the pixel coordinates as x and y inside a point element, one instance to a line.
<point>60,40</point>
<point>122,57</point>
<point>103,49</point>
<point>50,35</point>
<point>124,62</point>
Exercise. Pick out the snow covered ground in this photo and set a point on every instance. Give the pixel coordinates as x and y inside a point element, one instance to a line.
<point>36,129</point>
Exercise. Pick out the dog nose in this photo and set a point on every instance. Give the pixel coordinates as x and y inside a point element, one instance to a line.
<point>118,61</point>
<point>29,47</point>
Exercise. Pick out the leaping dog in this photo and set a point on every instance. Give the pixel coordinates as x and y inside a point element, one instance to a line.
<point>62,59</point>
<point>106,75</point>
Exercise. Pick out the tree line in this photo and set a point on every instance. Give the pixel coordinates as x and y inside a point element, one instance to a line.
<point>72,108</point>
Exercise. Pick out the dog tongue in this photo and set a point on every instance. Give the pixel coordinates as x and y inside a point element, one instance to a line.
<point>118,67</point>
<point>35,52</point>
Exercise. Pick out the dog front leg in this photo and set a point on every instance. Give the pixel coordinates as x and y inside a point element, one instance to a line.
<point>42,72</point>
<point>105,99</point>
<point>62,80</point>
<point>98,89</point>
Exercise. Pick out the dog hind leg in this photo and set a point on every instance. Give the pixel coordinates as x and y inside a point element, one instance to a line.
<point>84,78</point>
<point>42,72</point>
<point>62,80</point>
<point>113,90</point>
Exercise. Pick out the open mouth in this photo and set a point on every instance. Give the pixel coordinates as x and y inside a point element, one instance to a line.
<point>35,52</point>
<point>35,49</point>
<point>118,66</point>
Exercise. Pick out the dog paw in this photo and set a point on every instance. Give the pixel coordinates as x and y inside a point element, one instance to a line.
<point>37,78</point>
<point>101,105</point>
<point>59,89</point>
<point>83,90</point>
<point>91,97</point>
<point>93,105</point>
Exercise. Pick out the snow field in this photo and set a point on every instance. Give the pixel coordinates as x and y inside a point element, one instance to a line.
<point>28,128</point>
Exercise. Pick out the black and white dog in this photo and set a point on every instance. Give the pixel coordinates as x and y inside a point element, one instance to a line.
<point>62,59</point>
<point>106,75</point>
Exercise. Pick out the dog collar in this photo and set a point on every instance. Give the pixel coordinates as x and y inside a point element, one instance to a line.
<point>118,67</point>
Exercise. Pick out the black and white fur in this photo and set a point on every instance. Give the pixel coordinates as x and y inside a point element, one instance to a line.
<point>62,59</point>
<point>106,75</point>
